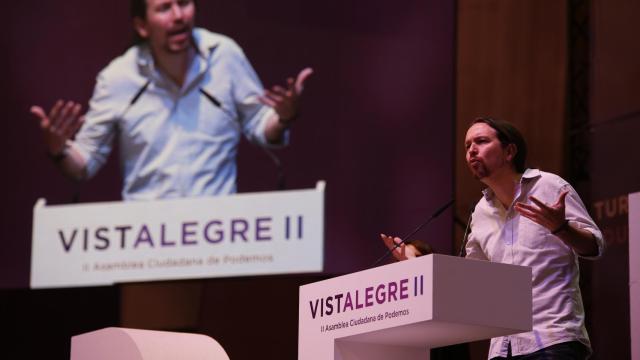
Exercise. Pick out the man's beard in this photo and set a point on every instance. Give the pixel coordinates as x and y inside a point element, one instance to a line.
<point>479,170</point>
<point>170,48</point>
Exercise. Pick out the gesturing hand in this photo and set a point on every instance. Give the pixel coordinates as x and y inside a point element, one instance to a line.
<point>60,124</point>
<point>402,252</point>
<point>551,217</point>
<point>286,101</point>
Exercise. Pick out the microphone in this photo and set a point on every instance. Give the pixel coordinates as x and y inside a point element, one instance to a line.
<point>217,103</point>
<point>463,245</point>
<point>139,93</point>
<point>405,239</point>
<point>211,98</point>
<point>280,184</point>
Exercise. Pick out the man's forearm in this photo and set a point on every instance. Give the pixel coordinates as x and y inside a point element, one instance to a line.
<point>275,130</point>
<point>72,164</point>
<point>582,241</point>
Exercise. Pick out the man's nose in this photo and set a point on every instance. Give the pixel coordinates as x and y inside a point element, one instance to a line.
<point>177,12</point>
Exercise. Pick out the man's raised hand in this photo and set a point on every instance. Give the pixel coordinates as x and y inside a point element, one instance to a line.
<point>59,125</point>
<point>402,252</point>
<point>285,101</point>
<point>551,217</point>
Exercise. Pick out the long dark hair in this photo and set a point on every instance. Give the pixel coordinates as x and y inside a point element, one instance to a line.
<point>508,134</point>
<point>138,9</point>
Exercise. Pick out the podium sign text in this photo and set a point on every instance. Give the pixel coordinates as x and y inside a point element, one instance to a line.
<point>402,310</point>
<point>237,235</point>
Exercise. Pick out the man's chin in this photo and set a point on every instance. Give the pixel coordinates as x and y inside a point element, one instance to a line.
<point>479,172</point>
<point>177,49</point>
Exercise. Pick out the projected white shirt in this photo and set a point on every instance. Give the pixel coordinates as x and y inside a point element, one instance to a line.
<point>175,141</point>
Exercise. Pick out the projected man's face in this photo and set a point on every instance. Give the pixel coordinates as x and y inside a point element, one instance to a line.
<point>168,25</point>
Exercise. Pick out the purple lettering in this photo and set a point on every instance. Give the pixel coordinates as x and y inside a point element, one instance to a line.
<point>338,297</point>
<point>287,226</point>
<point>187,233</point>
<point>239,227</point>
<point>314,309</point>
<point>260,228</point>
<point>358,305</point>
<point>380,300</point>
<point>123,231</point>
<point>417,284</point>
<point>348,303</point>
<point>103,238</point>
<point>163,238</point>
<point>329,306</point>
<point>143,237</point>
<point>65,244</point>
<point>299,227</point>
<point>218,233</point>
<point>404,287</point>
<point>368,296</point>
<point>85,241</point>
<point>393,287</point>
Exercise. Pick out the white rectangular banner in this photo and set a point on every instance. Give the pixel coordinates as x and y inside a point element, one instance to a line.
<point>634,273</point>
<point>236,235</point>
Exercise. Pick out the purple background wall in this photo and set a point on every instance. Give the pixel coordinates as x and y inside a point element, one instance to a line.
<point>376,124</point>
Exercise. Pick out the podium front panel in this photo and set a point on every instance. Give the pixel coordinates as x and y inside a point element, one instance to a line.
<point>432,301</point>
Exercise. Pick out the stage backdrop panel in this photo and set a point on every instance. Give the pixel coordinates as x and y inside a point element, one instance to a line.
<point>376,122</point>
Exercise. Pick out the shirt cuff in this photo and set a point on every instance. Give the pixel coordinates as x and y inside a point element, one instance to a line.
<point>268,113</point>
<point>597,234</point>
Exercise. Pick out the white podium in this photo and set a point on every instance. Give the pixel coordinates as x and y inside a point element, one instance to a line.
<point>133,344</point>
<point>403,309</point>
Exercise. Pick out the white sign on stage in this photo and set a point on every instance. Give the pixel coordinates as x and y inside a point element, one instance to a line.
<point>634,272</point>
<point>236,235</point>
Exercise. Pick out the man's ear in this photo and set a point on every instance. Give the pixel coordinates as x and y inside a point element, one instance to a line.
<point>140,26</point>
<point>512,150</point>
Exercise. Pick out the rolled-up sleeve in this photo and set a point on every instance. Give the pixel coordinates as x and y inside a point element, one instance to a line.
<point>578,216</point>
<point>247,87</point>
<point>94,141</point>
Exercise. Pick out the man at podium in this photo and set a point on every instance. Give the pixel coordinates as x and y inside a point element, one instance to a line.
<point>531,218</point>
<point>177,102</point>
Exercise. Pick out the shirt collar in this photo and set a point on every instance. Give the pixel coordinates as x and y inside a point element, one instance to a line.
<point>530,174</point>
<point>145,59</point>
<point>526,176</point>
<point>206,45</point>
